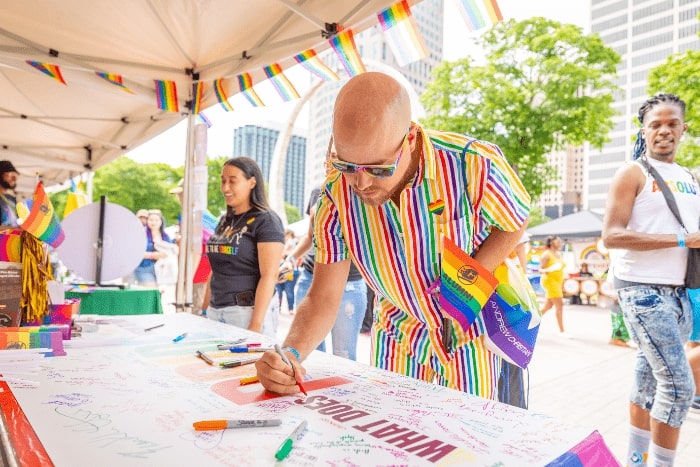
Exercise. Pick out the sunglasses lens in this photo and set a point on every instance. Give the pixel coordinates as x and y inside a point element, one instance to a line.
<point>343,167</point>
<point>380,172</point>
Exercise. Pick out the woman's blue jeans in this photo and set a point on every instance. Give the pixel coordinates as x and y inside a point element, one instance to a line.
<point>350,315</point>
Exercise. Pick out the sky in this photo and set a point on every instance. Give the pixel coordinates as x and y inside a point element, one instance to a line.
<point>169,147</point>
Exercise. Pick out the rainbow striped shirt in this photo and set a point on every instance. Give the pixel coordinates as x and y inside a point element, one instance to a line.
<point>397,250</point>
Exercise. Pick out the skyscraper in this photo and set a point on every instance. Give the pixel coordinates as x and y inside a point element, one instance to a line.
<point>644,33</point>
<point>377,56</point>
<point>258,142</point>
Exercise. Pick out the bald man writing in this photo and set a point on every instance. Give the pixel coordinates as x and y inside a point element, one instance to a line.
<point>382,207</point>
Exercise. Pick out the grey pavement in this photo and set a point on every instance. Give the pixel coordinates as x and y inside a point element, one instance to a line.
<point>583,380</point>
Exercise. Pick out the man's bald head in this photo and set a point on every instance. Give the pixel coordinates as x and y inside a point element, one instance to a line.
<point>371,109</point>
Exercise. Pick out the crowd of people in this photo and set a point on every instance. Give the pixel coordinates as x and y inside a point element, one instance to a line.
<point>371,258</point>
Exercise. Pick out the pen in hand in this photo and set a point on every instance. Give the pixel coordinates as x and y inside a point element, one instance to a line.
<point>288,443</point>
<point>297,376</point>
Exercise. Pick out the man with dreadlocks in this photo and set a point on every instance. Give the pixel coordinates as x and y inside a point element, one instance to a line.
<point>650,274</point>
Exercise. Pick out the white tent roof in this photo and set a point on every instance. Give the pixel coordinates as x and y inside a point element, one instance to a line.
<point>58,131</point>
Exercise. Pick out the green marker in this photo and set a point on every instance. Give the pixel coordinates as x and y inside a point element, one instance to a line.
<point>288,443</point>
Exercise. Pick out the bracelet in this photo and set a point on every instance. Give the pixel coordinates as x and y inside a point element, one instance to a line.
<point>293,351</point>
<point>681,240</point>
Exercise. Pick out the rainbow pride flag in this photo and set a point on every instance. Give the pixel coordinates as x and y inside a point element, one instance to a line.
<point>116,80</point>
<point>48,69</point>
<point>309,60</point>
<point>465,285</point>
<point>197,90</point>
<point>343,44</point>
<point>245,82</point>
<point>209,223</point>
<point>479,13</point>
<point>402,34</point>
<point>221,95</point>
<point>284,87</point>
<point>166,95</point>
<point>42,221</point>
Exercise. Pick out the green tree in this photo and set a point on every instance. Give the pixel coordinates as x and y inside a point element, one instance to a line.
<point>680,75</point>
<point>139,186</point>
<point>544,85</point>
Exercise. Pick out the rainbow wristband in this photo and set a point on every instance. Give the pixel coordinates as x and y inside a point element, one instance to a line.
<point>294,351</point>
<point>681,240</point>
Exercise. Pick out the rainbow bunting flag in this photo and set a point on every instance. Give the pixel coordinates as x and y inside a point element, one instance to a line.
<point>465,285</point>
<point>344,45</point>
<point>166,95</point>
<point>48,69</point>
<point>221,95</point>
<point>479,13</point>
<point>42,221</point>
<point>245,82</point>
<point>402,34</point>
<point>284,87</point>
<point>204,119</point>
<point>116,80</point>
<point>74,201</point>
<point>309,60</point>
<point>197,89</point>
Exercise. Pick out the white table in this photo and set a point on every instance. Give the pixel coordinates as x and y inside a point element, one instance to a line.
<point>123,396</point>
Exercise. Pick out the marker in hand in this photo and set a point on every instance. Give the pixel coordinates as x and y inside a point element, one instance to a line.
<point>297,376</point>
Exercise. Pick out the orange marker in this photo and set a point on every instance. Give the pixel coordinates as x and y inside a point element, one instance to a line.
<point>210,425</point>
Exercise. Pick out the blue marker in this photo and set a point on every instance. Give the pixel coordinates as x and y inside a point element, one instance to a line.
<point>180,337</point>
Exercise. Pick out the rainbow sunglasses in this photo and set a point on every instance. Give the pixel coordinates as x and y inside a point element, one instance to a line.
<point>378,171</point>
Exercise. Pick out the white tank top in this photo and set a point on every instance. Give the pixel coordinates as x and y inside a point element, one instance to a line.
<point>651,214</point>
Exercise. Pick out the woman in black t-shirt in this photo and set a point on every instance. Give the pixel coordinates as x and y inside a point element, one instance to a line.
<point>244,252</point>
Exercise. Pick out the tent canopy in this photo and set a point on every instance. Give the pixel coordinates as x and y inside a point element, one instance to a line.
<point>582,224</point>
<point>57,131</point>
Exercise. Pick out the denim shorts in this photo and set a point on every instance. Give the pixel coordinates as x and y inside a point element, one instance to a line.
<point>659,319</point>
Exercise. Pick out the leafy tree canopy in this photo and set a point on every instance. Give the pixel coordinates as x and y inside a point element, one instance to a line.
<point>544,85</point>
<point>680,75</point>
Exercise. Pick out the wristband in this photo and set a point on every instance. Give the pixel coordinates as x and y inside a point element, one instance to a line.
<point>681,240</point>
<point>294,351</point>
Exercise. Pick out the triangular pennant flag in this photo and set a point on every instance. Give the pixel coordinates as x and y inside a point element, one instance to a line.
<point>42,221</point>
<point>166,95</point>
<point>221,95</point>
<point>74,201</point>
<point>344,45</point>
<point>479,13</point>
<point>465,285</point>
<point>309,60</point>
<point>204,119</point>
<point>116,80</point>
<point>401,33</point>
<point>245,82</point>
<point>209,223</point>
<point>281,83</point>
<point>197,90</point>
<point>48,69</point>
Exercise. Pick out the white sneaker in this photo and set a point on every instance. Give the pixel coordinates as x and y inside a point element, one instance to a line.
<point>564,335</point>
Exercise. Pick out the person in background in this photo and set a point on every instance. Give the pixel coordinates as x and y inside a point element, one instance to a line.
<point>288,277</point>
<point>142,215</point>
<point>650,277</point>
<point>353,304</point>
<point>245,251</point>
<point>8,202</point>
<point>200,291</point>
<point>552,266</point>
<point>396,192</point>
<point>145,272</point>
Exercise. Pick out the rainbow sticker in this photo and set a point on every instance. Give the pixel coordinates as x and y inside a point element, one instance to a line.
<point>436,207</point>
